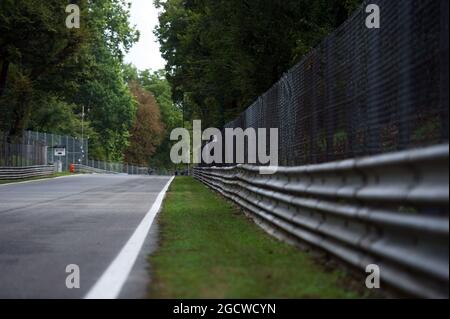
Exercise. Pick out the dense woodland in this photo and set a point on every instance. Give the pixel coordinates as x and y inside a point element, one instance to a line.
<point>220,56</point>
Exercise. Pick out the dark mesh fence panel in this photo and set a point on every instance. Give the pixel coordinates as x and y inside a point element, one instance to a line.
<point>363,91</point>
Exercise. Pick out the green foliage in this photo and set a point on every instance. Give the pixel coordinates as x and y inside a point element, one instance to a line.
<point>171,114</point>
<point>156,83</point>
<point>56,116</point>
<point>48,72</point>
<point>109,103</point>
<point>110,18</point>
<point>34,42</point>
<point>221,55</point>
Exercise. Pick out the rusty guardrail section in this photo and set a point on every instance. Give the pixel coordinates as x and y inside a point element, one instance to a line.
<point>391,210</point>
<point>12,173</point>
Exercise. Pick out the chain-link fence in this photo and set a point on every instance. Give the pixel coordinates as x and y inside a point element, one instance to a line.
<point>77,152</point>
<point>38,148</point>
<point>363,91</point>
<point>20,155</point>
<point>76,148</point>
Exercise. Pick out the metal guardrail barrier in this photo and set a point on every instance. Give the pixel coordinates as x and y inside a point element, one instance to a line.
<point>13,173</point>
<point>391,210</point>
<point>119,168</point>
<point>88,169</point>
<point>112,169</point>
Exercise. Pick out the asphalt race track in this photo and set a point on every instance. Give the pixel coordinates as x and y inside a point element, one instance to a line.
<point>84,220</point>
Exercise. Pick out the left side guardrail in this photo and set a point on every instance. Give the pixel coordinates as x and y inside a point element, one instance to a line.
<point>14,173</point>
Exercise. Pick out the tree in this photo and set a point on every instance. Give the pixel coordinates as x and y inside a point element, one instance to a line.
<point>147,130</point>
<point>109,105</point>
<point>221,55</point>
<point>156,83</point>
<point>33,43</point>
<point>48,69</point>
<point>103,92</point>
<point>171,115</point>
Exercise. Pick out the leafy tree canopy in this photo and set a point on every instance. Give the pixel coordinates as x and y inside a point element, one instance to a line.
<point>221,55</point>
<point>48,72</point>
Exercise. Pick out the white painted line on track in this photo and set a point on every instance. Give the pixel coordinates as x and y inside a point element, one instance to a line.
<point>111,282</point>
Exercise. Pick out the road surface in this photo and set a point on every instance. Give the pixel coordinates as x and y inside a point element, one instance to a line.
<point>85,220</point>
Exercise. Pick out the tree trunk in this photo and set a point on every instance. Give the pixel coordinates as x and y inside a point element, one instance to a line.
<point>21,114</point>
<point>3,76</point>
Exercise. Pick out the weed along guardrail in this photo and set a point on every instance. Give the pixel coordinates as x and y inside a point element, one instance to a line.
<point>390,210</point>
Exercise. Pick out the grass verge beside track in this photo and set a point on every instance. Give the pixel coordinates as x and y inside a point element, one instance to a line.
<point>209,249</point>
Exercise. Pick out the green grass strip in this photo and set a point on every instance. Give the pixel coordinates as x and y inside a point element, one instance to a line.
<point>209,249</point>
